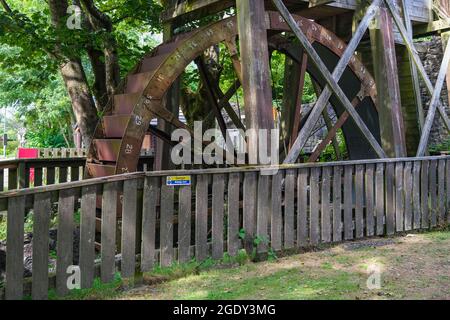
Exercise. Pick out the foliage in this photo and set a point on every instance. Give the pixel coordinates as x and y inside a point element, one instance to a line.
<point>29,65</point>
<point>440,147</point>
<point>329,153</point>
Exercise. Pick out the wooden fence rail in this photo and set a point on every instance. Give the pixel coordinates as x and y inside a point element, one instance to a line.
<point>286,207</point>
<point>25,173</point>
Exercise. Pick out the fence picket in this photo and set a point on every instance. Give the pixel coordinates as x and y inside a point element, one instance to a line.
<point>417,209</point>
<point>399,197</point>
<point>337,204</point>
<point>184,223</point>
<point>166,225</point>
<point>390,199</point>
<point>108,227</point>
<point>87,235</point>
<point>369,196</point>
<point>441,192</point>
<point>325,203</point>
<point>233,214</point>
<point>41,224</point>
<point>218,207</point>
<point>64,249</point>
<point>359,201</point>
<point>129,226</point>
<point>433,193</point>
<point>201,218</point>
<point>151,192</point>
<point>289,203</point>
<point>314,228</point>
<point>379,199</point>
<point>302,208</point>
<point>348,202</point>
<point>408,194</point>
<point>424,195</point>
<point>263,211</point>
<point>14,250</point>
<point>276,223</point>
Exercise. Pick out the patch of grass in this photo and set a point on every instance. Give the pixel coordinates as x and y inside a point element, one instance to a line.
<point>438,235</point>
<point>99,291</point>
<point>241,284</point>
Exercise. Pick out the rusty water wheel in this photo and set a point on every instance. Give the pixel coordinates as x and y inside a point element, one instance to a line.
<point>120,133</point>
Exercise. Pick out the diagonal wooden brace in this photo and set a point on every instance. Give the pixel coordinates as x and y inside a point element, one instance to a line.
<point>433,104</point>
<point>332,85</point>
<point>415,56</point>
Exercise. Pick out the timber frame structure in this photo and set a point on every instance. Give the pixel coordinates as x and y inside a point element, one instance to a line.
<point>340,44</point>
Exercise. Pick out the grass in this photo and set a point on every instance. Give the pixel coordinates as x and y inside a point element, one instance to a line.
<point>99,291</point>
<point>412,267</point>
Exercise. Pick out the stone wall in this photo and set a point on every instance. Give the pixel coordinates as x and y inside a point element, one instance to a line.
<point>431,53</point>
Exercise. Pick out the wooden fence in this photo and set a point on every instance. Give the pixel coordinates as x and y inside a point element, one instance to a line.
<point>300,206</point>
<point>25,173</point>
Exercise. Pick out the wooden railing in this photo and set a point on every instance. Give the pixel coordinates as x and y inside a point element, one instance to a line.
<point>25,173</point>
<point>300,206</point>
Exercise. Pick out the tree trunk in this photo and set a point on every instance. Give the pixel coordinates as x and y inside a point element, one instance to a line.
<point>75,79</point>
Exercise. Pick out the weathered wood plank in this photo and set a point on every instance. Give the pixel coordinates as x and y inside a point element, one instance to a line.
<point>289,204</point>
<point>302,208</point>
<point>433,193</point>
<point>249,210</point>
<point>314,227</point>
<point>441,192</point>
<point>129,226</point>
<point>390,199</point>
<point>408,192</point>
<point>166,227</point>
<point>348,202</point>
<point>424,195</point>
<point>108,227</point>
<point>326,205</point>
<point>359,199</point>
<point>379,199</point>
<point>201,218</point>
<point>151,193</point>
<point>41,224</point>
<point>337,204</point>
<point>276,223</point>
<point>233,214</point>
<point>369,196</point>
<point>417,209</point>
<point>399,197</point>
<point>218,207</point>
<point>447,186</point>
<point>262,213</point>
<point>184,223</point>
<point>14,250</point>
<point>87,235</point>
<point>64,249</point>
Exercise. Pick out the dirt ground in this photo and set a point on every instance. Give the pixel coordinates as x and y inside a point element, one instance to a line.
<point>415,266</point>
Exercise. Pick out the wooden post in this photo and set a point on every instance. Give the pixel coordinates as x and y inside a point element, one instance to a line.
<point>171,103</point>
<point>255,64</point>
<point>388,88</point>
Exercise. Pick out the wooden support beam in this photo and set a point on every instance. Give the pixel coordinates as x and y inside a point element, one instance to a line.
<point>234,55</point>
<point>171,103</point>
<point>414,73</point>
<point>388,88</point>
<point>212,97</point>
<point>299,101</point>
<point>255,66</point>
<point>415,56</point>
<point>332,85</point>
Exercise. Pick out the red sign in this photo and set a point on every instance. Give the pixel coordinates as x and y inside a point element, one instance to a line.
<point>28,153</point>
